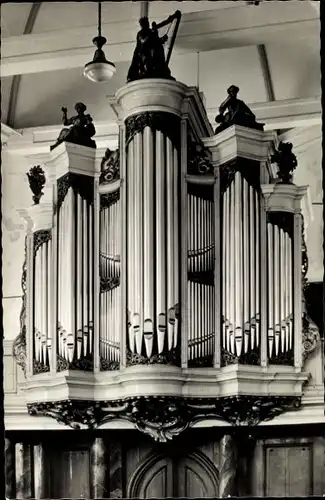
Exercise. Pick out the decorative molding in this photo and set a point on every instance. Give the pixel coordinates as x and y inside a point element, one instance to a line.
<point>162,418</point>
<point>249,170</point>
<point>37,180</point>
<point>166,123</point>
<point>110,166</point>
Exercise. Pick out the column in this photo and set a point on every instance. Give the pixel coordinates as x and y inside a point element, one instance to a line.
<point>99,464</point>
<point>10,469</point>
<point>23,462</point>
<point>228,467</point>
<point>40,472</point>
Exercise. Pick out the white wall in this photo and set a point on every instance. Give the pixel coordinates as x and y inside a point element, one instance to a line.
<point>15,194</point>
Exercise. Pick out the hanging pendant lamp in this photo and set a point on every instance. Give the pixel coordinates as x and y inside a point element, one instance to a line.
<point>99,70</point>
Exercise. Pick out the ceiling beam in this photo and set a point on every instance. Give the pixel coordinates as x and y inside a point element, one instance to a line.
<point>199,31</point>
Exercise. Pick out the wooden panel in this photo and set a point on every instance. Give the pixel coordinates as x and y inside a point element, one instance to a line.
<point>275,471</point>
<point>193,481</point>
<point>288,470</point>
<point>69,474</point>
<point>158,481</point>
<point>299,468</point>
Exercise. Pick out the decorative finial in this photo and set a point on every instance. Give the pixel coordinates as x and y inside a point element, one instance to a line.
<point>36,179</point>
<point>286,162</point>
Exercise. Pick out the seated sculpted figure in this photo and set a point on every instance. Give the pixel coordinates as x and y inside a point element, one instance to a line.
<point>149,58</point>
<point>81,128</point>
<point>233,111</point>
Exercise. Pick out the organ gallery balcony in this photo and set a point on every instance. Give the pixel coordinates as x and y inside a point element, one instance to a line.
<point>163,286</point>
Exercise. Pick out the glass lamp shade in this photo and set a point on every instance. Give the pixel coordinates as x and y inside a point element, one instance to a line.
<point>99,72</point>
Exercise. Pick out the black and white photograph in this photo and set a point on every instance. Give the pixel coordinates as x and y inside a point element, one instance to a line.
<point>162,249</point>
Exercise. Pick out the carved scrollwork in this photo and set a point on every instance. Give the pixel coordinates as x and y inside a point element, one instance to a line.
<point>109,283</point>
<point>39,367</point>
<point>41,237</point>
<point>165,417</point>
<point>310,336</point>
<point>110,167</point>
<point>166,123</point>
<point>19,345</point>
<point>249,169</point>
<point>171,357</point>
<point>82,184</point>
<point>252,357</point>
<point>198,159</point>
<point>106,365</point>
<point>36,179</point>
<point>85,364</point>
<point>108,199</point>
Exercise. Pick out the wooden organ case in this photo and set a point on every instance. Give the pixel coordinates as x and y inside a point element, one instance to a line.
<point>166,287</point>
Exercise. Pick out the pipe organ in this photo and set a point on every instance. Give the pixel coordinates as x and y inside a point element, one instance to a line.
<point>109,269</point>
<point>240,263</point>
<point>280,287</point>
<point>42,298</point>
<point>152,247</point>
<point>168,270</point>
<point>75,273</point>
<point>200,261</point>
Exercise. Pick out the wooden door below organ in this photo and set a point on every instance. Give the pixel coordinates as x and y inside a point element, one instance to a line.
<point>191,476</point>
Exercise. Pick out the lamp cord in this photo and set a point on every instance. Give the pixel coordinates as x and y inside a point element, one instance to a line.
<point>99,19</point>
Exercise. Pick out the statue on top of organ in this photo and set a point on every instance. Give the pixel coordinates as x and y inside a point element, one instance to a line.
<point>81,130</point>
<point>149,58</point>
<point>233,111</point>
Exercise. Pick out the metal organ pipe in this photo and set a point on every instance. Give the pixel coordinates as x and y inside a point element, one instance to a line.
<point>137,319</point>
<point>252,266</point>
<point>170,243</point>
<point>160,242</point>
<point>131,248</point>
<point>148,246</point>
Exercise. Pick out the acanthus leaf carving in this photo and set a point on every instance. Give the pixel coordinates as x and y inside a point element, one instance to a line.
<point>165,417</point>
